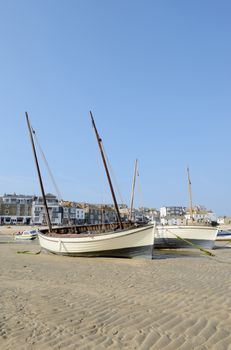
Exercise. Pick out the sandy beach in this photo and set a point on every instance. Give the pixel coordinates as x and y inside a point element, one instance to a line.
<point>178,300</point>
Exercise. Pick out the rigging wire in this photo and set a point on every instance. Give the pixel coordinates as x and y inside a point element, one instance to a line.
<point>113,176</point>
<point>140,197</point>
<point>131,209</point>
<point>47,166</point>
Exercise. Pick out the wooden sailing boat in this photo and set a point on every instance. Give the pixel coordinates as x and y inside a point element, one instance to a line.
<point>192,235</point>
<point>110,240</point>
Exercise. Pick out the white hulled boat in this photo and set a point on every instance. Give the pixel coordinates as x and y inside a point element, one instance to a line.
<point>224,234</point>
<point>185,236</point>
<point>118,240</point>
<point>26,235</point>
<point>133,242</point>
<point>191,235</point>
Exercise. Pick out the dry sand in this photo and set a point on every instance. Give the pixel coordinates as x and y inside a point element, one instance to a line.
<point>176,301</point>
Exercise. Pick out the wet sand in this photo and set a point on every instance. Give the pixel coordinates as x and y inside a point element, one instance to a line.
<point>178,300</point>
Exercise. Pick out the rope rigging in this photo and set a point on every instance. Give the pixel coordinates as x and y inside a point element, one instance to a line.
<point>113,176</point>
<point>140,197</point>
<point>47,166</point>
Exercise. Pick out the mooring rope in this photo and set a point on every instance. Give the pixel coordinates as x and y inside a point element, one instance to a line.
<point>28,252</point>
<point>192,244</point>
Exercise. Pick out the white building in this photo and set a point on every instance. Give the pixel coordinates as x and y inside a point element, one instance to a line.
<point>38,215</point>
<point>202,216</point>
<point>180,220</point>
<point>172,211</point>
<point>15,209</point>
<point>72,214</point>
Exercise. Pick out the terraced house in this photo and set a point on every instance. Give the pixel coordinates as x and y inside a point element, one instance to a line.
<point>15,209</point>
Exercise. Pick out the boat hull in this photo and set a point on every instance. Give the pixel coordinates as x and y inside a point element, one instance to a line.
<point>25,237</point>
<point>185,237</point>
<point>131,243</point>
<point>223,235</point>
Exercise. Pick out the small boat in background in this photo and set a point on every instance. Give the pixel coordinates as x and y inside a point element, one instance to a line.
<point>26,235</point>
<point>223,235</point>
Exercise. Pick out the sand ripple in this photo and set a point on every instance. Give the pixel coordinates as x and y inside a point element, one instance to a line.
<point>50,302</point>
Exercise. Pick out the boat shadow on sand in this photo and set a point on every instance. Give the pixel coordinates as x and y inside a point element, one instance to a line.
<point>176,254</point>
<point>157,253</point>
<point>222,245</point>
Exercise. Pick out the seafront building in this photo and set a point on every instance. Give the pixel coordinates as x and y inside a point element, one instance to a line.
<point>99,213</point>
<point>172,211</point>
<point>151,214</point>
<point>176,215</point>
<point>15,209</point>
<point>173,215</point>
<point>29,209</point>
<point>201,214</point>
<point>38,215</point>
<point>21,209</point>
<point>72,213</point>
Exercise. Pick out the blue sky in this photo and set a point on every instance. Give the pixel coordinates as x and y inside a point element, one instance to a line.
<point>156,75</point>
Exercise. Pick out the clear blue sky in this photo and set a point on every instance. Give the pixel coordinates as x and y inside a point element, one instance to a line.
<point>157,76</point>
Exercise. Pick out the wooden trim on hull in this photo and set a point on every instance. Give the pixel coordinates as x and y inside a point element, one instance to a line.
<point>145,252</point>
<point>174,243</point>
<point>85,229</point>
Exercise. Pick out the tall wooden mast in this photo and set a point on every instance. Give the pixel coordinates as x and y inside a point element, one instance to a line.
<point>99,140</point>
<point>190,195</point>
<point>39,174</point>
<point>133,189</point>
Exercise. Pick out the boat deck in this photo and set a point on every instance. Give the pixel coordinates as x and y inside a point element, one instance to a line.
<point>85,231</point>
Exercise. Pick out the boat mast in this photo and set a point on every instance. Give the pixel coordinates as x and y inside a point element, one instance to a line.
<point>39,174</point>
<point>133,188</point>
<point>190,195</point>
<point>99,140</point>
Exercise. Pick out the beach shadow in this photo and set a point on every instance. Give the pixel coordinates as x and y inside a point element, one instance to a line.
<point>225,246</point>
<point>175,254</point>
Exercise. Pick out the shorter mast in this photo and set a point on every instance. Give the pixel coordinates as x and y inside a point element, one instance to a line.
<point>107,172</point>
<point>190,195</point>
<point>133,189</point>
<point>39,174</point>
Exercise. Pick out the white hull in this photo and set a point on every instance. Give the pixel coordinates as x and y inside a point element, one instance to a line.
<point>185,236</point>
<point>25,237</point>
<point>130,243</point>
<point>223,235</point>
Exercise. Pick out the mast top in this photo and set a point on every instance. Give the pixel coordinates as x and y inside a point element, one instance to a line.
<point>106,170</point>
<point>31,131</point>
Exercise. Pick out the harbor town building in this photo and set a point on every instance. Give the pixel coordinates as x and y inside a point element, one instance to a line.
<point>29,210</point>
<point>15,209</point>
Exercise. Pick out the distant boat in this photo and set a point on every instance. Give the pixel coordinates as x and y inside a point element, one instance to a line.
<point>26,235</point>
<point>223,235</point>
<point>124,240</point>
